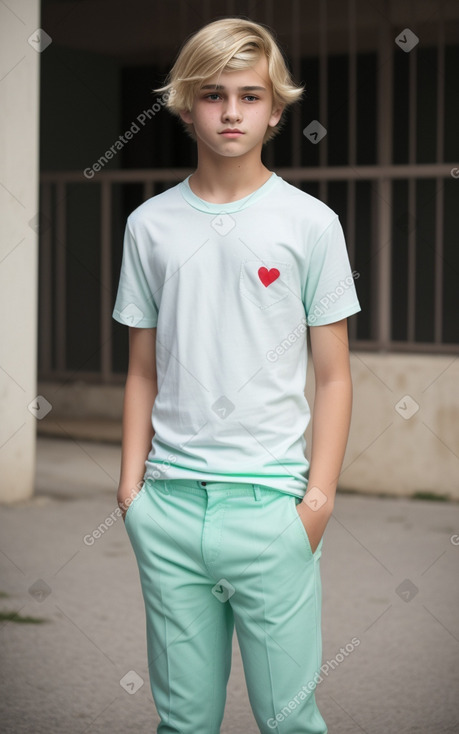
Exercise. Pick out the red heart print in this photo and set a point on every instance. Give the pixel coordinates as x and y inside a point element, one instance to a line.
<point>268,276</point>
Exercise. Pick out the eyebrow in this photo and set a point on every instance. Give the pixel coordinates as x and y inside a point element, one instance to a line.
<point>240,89</point>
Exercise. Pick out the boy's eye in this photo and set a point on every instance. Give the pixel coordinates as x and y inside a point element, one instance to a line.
<point>250,97</point>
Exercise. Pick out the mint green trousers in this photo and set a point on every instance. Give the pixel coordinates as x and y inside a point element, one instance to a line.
<point>211,556</point>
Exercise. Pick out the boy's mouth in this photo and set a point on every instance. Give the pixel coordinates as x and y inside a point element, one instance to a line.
<point>231,132</point>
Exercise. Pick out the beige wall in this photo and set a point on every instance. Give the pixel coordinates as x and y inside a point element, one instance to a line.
<point>390,452</point>
<point>19,100</point>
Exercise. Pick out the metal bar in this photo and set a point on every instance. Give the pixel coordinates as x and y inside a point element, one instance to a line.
<point>268,17</point>
<point>438,264</point>
<point>61,275</point>
<point>148,188</point>
<point>439,201</point>
<point>298,173</point>
<point>106,280</point>
<point>119,175</point>
<point>350,236</point>
<point>352,135</point>
<point>411,284</point>
<point>182,19</point>
<point>382,246</point>
<point>376,235</point>
<point>296,127</point>
<point>365,173</point>
<point>252,9</point>
<point>352,143</point>
<point>411,218</point>
<point>363,345</point>
<point>268,6</point>
<point>207,10</point>
<point>323,91</point>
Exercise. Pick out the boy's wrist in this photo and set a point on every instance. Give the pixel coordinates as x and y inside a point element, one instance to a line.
<point>126,495</point>
<point>316,499</point>
<point>127,492</point>
<point>126,487</point>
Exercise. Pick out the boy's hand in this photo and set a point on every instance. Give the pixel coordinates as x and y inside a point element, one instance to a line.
<point>314,522</point>
<point>125,496</point>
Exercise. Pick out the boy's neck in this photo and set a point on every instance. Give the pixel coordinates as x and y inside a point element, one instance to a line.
<point>221,180</point>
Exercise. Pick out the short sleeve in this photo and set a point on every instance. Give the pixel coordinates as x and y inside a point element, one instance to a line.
<point>329,292</point>
<point>134,304</point>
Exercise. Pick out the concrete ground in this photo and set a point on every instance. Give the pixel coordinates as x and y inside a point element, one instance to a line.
<point>389,575</point>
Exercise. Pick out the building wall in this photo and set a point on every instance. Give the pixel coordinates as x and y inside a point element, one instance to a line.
<point>404,434</point>
<point>84,110</point>
<point>19,62</point>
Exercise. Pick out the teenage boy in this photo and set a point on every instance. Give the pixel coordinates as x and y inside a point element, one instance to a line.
<point>221,277</point>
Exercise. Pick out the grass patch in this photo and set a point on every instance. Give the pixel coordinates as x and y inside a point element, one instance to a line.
<point>431,496</point>
<point>16,617</point>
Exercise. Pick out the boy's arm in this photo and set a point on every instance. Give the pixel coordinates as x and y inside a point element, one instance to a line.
<point>139,395</point>
<point>330,425</point>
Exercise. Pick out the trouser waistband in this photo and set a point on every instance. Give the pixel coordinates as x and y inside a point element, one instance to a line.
<point>195,486</point>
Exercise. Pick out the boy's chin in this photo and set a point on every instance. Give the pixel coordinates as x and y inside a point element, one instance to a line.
<point>229,151</point>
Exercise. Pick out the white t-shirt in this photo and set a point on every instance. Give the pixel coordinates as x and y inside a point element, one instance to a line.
<point>228,288</point>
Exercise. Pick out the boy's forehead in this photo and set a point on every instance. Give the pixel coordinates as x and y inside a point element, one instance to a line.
<point>254,76</point>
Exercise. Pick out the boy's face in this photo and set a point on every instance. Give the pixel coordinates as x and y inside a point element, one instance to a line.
<point>230,107</point>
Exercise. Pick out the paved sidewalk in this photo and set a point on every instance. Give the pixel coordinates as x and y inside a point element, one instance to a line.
<point>389,574</point>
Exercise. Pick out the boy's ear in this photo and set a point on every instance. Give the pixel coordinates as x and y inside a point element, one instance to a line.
<point>276,116</point>
<point>186,116</point>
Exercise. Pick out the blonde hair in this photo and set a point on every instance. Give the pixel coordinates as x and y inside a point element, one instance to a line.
<point>230,44</point>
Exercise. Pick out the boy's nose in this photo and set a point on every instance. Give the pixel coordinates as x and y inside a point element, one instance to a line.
<point>231,111</point>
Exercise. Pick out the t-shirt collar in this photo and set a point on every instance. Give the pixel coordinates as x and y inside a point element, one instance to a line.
<point>227,207</point>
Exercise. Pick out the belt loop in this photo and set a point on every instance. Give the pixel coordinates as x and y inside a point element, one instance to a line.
<point>257,492</point>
